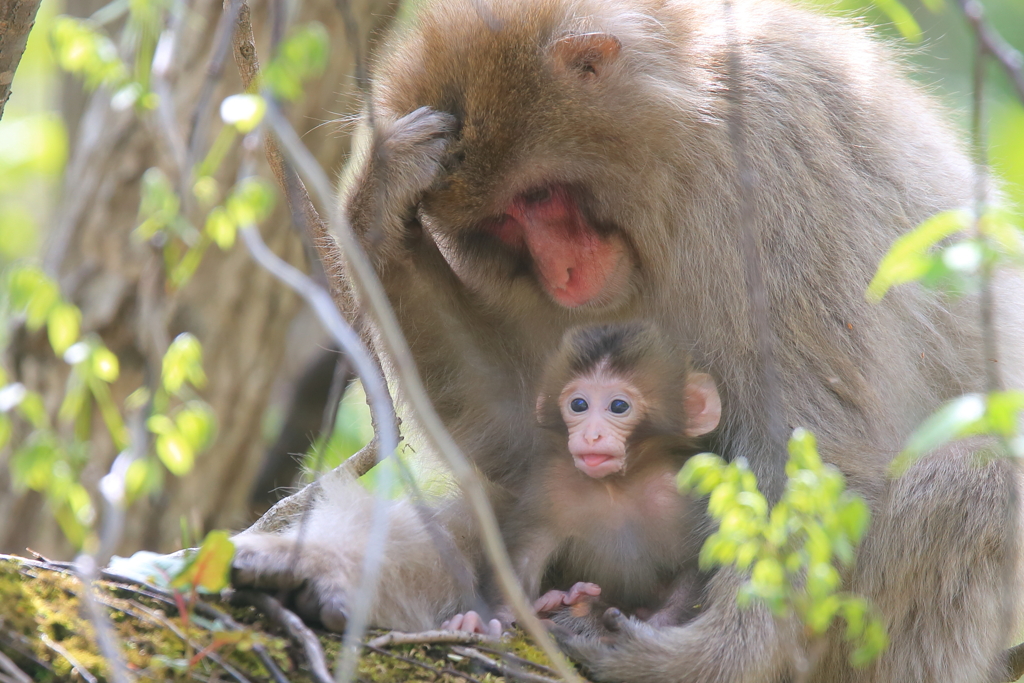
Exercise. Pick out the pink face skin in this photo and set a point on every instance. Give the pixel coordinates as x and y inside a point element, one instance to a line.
<point>600,410</point>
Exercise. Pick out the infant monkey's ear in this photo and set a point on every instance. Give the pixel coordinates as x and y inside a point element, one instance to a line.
<point>701,404</point>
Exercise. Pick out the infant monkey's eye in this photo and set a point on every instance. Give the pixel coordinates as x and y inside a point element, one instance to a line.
<point>578,405</point>
<point>618,406</point>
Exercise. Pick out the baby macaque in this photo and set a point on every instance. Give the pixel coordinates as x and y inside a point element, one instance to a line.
<point>603,515</point>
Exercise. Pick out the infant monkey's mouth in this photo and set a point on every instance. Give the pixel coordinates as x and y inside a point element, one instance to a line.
<point>595,459</point>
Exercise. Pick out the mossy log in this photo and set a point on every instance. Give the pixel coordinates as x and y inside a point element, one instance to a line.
<point>46,635</point>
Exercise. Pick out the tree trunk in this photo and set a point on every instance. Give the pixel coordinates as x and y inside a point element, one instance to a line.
<point>238,311</point>
<point>16,19</point>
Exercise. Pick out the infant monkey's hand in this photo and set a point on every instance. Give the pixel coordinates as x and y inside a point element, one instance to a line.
<point>471,622</point>
<point>579,599</point>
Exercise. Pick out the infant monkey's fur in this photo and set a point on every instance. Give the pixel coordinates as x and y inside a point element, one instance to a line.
<point>620,410</point>
<point>609,513</point>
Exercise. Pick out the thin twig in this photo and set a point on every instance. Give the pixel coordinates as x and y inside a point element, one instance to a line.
<point>429,667</point>
<point>23,646</point>
<point>989,42</point>
<point>222,42</point>
<point>86,570</point>
<point>339,382</point>
<point>385,428</point>
<point>75,664</point>
<point>428,638</point>
<point>285,511</point>
<point>405,367</point>
<point>248,63</point>
<point>994,44</point>
<point>516,659</point>
<point>500,667</point>
<point>12,670</point>
<point>210,612</point>
<point>293,626</point>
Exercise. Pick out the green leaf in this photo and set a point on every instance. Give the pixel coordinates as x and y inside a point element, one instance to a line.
<point>80,503</point>
<point>32,145</point>
<point>908,259</point>
<point>183,362</point>
<point>1003,412</point>
<point>822,581</point>
<point>210,568</point>
<point>301,56</point>
<point>901,18</point>
<point>5,429</point>
<point>160,424</point>
<point>949,422</point>
<point>803,450</point>
<point>81,49</point>
<point>144,476</point>
<point>205,190</point>
<point>221,228</point>
<point>159,207</point>
<point>768,573</point>
<point>34,463</point>
<point>195,423</point>
<point>35,293</point>
<point>251,201</point>
<point>62,326</point>
<point>855,516</point>
<point>821,613</point>
<point>175,453</point>
<point>33,410</point>
<point>105,365</point>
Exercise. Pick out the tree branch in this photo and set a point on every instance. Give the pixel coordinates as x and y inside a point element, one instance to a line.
<point>16,20</point>
<point>293,626</point>
<point>301,206</point>
<point>995,45</point>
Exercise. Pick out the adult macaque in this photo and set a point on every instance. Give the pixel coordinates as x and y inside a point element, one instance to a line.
<point>622,411</point>
<point>537,164</point>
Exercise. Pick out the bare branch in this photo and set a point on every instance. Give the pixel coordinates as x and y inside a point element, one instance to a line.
<point>405,367</point>
<point>501,668</point>
<point>12,671</point>
<point>75,664</point>
<point>427,638</point>
<point>293,626</point>
<point>248,63</point>
<point>16,20</point>
<point>995,45</point>
<point>222,41</point>
<point>436,671</point>
<point>85,568</point>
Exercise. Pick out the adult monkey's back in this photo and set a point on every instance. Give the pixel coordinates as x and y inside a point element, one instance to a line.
<point>537,164</point>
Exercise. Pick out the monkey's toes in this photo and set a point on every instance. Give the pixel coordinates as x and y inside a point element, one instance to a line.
<point>334,614</point>
<point>613,620</point>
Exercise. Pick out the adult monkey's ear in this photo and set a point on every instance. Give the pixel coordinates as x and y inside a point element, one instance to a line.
<point>702,404</point>
<point>586,54</point>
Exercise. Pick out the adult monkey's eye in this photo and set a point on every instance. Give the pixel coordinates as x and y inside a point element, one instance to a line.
<point>618,406</point>
<point>578,405</point>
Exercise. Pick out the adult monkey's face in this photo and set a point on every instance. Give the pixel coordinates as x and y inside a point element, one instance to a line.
<point>535,192</point>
